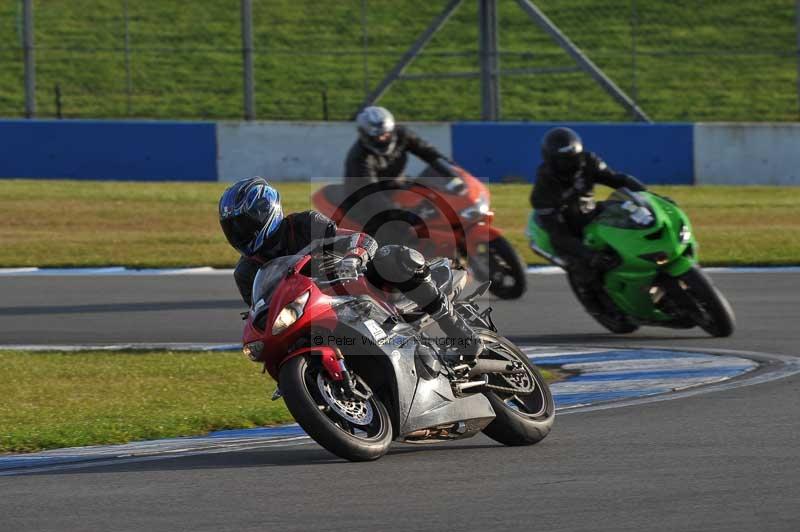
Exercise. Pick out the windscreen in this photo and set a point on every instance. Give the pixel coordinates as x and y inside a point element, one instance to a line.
<point>626,210</point>
<point>450,185</point>
<point>268,278</point>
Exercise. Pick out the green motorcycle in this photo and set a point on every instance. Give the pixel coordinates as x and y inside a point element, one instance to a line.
<point>656,279</point>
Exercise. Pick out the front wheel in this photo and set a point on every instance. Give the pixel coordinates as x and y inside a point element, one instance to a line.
<point>500,263</point>
<point>715,315</point>
<point>351,428</point>
<point>522,402</point>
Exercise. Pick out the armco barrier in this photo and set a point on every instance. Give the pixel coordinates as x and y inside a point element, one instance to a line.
<point>292,151</point>
<point>751,154</point>
<point>747,154</point>
<point>655,153</point>
<point>95,149</point>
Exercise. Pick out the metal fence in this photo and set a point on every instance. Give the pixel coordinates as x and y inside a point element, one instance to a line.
<point>700,60</point>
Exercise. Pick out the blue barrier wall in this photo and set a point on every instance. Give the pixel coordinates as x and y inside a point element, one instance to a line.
<point>95,149</point>
<point>655,153</point>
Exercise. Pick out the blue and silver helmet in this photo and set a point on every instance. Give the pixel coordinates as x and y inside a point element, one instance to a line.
<point>250,212</point>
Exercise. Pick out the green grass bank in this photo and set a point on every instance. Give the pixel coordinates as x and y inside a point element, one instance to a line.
<point>82,223</point>
<point>717,60</point>
<point>53,399</point>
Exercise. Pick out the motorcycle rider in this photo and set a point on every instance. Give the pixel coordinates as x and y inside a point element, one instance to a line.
<point>252,219</point>
<point>377,160</point>
<point>563,198</point>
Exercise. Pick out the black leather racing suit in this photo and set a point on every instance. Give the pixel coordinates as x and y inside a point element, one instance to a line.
<point>297,230</point>
<point>389,267</point>
<point>565,204</point>
<point>370,175</point>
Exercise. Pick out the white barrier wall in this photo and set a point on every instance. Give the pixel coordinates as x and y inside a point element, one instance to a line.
<point>747,154</point>
<point>292,151</point>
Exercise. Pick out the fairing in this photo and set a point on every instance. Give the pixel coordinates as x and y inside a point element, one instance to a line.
<point>647,249</point>
<point>355,322</point>
<point>462,221</point>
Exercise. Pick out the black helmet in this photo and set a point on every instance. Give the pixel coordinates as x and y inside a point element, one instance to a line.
<point>376,130</point>
<point>561,150</point>
<point>249,213</point>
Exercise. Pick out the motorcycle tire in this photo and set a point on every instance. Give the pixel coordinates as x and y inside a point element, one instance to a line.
<point>519,421</point>
<point>719,319</point>
<point>505,262</point>
<point>305,399</point>
<point>617,325</point>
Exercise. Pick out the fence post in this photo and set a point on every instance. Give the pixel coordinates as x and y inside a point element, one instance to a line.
<point>364,36</point>
<point>57,90</point>
<point>128,77</point>
<point>797,31</point>
<point>490,87</point>
<point>247,57</point>
<point>30,60</point>
<point>634,31</point>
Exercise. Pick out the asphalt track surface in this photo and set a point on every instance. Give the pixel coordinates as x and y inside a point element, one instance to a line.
<point>727,460</point>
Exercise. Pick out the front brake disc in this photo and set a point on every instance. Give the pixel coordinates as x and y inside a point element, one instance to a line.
<point>356,412</point>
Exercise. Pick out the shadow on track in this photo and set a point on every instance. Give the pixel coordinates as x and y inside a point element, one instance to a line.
<point>601,338</point>
<point>306,455</point>
<point>123,307</point>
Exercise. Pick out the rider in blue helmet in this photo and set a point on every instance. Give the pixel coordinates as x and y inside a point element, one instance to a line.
<point>252,219</point>
<point>250,212</point>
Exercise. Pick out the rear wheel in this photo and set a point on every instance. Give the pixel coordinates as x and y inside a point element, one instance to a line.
<point>500,264</point>
<point>522,402</point>
<point>715,314</point>
<point>351,428</point>
<point>616,322</point>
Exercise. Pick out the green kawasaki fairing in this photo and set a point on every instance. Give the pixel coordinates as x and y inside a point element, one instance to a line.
<point>651,236</point>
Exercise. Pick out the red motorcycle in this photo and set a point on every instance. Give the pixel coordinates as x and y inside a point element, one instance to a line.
<point>358,370</point>
<point>454,220</point>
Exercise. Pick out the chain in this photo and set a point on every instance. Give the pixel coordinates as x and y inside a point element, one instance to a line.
<point>506,389</point>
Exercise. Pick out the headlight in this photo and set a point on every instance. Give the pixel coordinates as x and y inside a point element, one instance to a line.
<point>476,210</point>
<point>660,258</point>
<point>253,350</point>
<point>290,313</point>
<point>685,234</point>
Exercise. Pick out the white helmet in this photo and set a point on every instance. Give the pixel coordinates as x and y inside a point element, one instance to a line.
<point>376,129</point>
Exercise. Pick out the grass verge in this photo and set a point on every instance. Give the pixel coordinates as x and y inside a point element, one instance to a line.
<point>53,400</point>
<point>97,223</point>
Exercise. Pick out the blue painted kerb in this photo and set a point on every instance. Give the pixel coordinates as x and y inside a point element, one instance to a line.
<point>112,150</point>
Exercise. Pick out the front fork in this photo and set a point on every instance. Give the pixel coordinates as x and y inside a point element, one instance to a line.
<point>335,367</point>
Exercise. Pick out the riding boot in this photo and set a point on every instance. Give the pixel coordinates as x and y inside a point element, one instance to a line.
<point>459,335</point>
<point>588,294</point>
<point>588,286</point>
<point>405,269</point>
